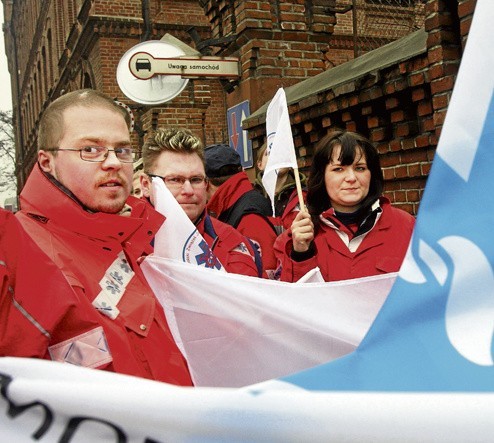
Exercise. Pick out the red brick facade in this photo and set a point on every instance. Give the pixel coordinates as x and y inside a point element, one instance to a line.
<point>400,107</point>
<point>58,46</point>
<point>55,46</point>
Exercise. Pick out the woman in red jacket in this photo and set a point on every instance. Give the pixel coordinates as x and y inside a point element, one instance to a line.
<point>350,229</point>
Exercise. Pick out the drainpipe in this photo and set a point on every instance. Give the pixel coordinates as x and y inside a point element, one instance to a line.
<point>355,29</point>
<point>147,20</point>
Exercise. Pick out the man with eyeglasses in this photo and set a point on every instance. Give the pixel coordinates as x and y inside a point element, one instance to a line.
<point>71,206</point>
<point>176,156</point>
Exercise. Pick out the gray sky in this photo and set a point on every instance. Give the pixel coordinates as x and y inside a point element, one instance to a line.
<point>5,93</point>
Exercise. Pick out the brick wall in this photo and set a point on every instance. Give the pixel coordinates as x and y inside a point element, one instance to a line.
<point>60,46</point>
<point>401,108</point>
<point>278,43</point>
<point>122,8</point>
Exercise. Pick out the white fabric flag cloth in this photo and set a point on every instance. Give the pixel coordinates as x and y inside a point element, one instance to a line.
<point>236,330</point>
<point>178,238</point>
<point>280,143</point>
<point>57,402</point>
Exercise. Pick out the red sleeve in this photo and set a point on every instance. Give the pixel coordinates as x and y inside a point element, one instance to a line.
<point>234,250</point>
<point>241,264</point>
<point>259,230</point>
<point>239,259</point>
<point>36,299</point>
<point>291,271</point>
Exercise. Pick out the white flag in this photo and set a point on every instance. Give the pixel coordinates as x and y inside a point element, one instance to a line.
<point>236,330</point>
<point>178,238</point>
<point>281,149</point>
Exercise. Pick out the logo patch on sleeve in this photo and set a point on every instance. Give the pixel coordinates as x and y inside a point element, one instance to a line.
<point>242,248</point>
<point>89,350</point>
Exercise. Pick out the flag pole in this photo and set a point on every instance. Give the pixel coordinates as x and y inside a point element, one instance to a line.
<point>299,190</point>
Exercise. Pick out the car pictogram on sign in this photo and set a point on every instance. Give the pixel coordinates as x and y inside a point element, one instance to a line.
<point>143,63</point>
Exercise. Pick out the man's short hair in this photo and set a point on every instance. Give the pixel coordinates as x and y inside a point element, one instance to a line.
<point>51,125</point>
<point>177,140</point>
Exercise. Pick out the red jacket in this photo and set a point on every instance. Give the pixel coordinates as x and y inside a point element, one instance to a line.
<point>231,248</point>
<point>98,253</point>
<point>36,301</point>
<point>253,226</point>
<point>380,250</point>
<point>292,208</point>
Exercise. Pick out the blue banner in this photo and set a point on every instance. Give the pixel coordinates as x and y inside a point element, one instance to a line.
<point>435,331</point>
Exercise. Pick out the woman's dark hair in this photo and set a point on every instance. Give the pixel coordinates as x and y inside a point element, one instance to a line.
<point>350,142</point>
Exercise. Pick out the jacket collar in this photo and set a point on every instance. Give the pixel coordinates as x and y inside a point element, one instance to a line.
<point>46,200</point>
<point>228,193</point>
<point>330,219</point>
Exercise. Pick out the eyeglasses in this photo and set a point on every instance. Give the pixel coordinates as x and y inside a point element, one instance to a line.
<point>100,153</point>
<point>177,181</point>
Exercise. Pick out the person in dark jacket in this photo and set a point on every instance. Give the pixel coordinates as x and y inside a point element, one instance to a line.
<point>351,230</point>
<point>233,200</point>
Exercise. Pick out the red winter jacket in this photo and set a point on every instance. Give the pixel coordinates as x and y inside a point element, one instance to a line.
<point>253,226</point>
<point>36,301</point>
<point>292,208</point>
<point>380,250</point>
<point>98,253</point>
<point>231,248</point>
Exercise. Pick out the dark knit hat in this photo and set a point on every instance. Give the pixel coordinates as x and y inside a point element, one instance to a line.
<point>221,160</point>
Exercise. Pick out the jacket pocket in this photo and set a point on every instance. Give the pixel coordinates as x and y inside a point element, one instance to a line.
<point>89,350</point>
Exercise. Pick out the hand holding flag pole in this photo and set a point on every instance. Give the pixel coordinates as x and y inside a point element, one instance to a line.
<point>299,190</point>
<point>280,147</point>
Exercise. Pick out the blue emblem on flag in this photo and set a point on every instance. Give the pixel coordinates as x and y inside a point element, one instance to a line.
<point>207,257</point>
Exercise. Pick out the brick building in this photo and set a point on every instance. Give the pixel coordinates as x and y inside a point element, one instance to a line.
<point>396,95</point>
<point>54,46</point>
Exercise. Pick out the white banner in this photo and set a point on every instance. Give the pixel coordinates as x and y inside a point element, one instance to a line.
<point>236,330</point>
<point>53,402</point>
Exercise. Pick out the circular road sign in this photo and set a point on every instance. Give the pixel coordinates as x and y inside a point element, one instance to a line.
<point>158,89</point>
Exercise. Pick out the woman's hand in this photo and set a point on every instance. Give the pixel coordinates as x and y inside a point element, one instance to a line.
<point>302,232</point>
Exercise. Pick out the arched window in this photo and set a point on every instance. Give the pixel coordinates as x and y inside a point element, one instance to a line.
<point>87,81</point>
<point>50,58</point>
<point>40,88</point>
<point>45,72</point>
